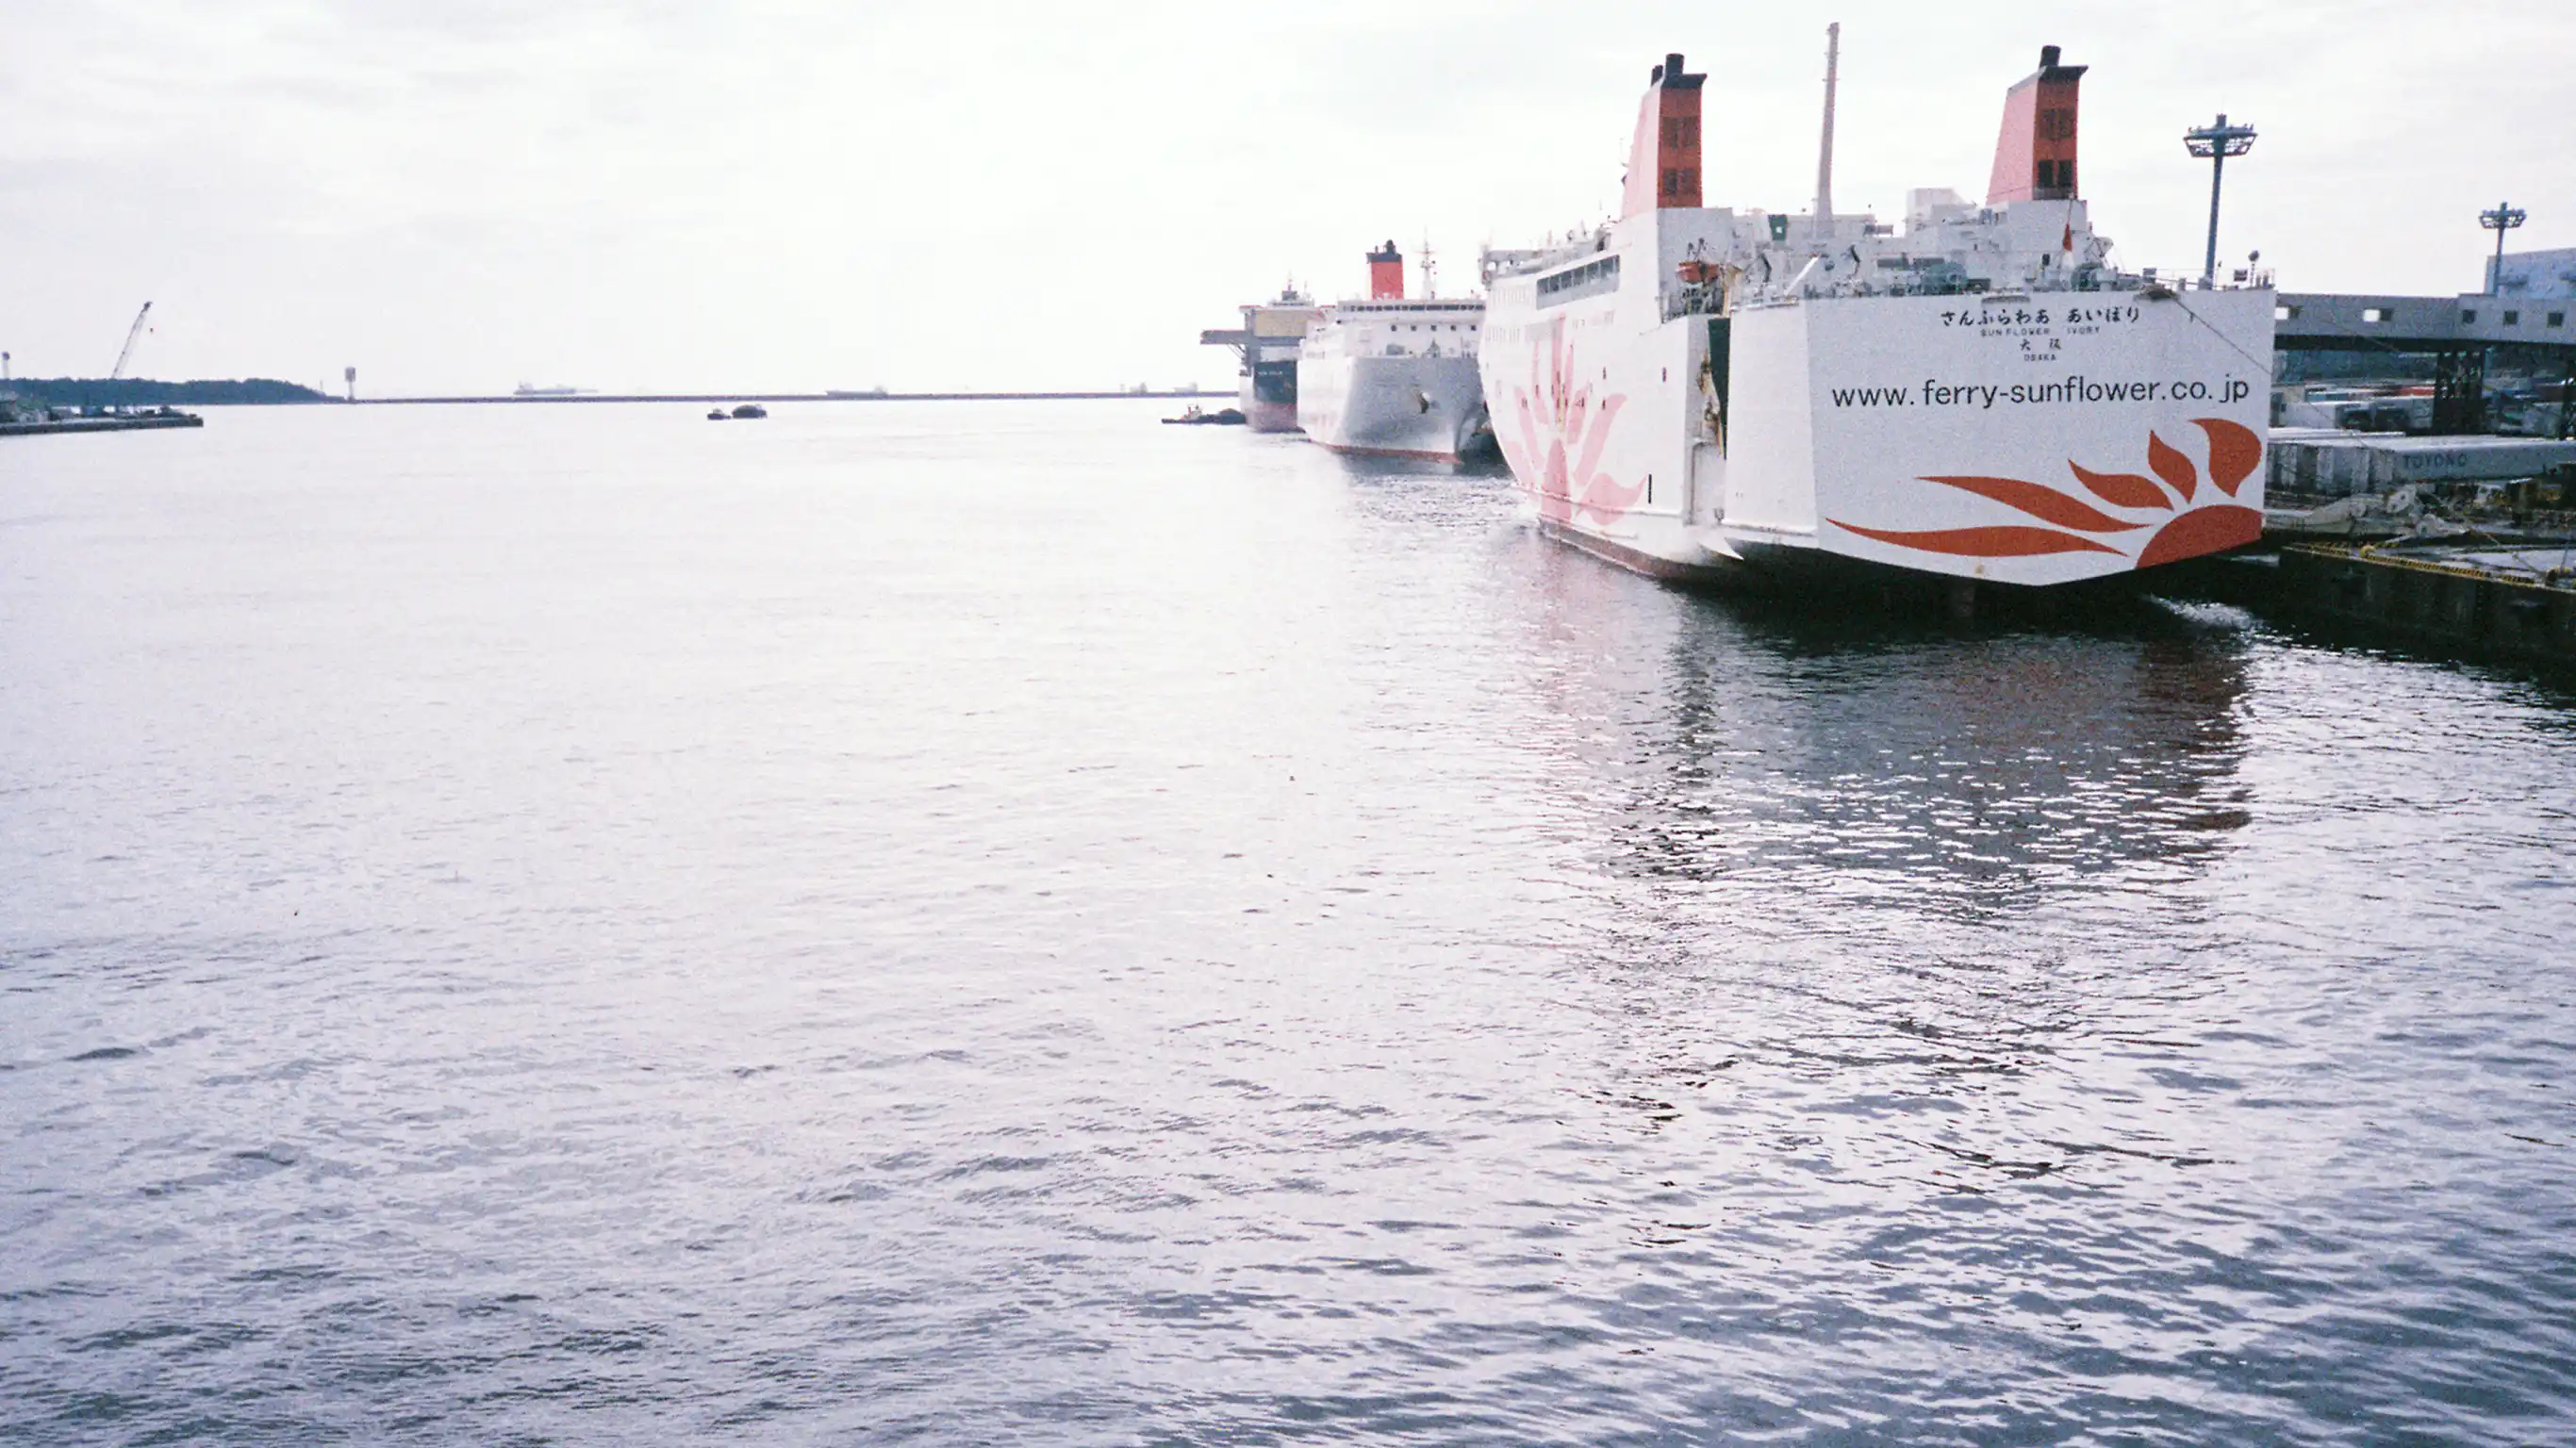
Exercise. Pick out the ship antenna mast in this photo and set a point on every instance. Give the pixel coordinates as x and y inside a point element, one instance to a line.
<point>1430,288</point>
<point>1825,148</point>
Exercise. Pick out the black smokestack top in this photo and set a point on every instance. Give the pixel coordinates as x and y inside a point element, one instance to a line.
<point>1673,66</point>
<point>2048,57</point>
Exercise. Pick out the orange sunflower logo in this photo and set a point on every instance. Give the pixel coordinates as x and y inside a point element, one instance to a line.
<point>2186,523</point>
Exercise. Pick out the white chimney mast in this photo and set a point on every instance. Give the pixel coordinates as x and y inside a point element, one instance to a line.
<point>1825,152</point>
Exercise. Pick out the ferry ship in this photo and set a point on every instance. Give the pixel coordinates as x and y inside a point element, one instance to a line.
<point>1977,396</point>
<point>1393,376</point>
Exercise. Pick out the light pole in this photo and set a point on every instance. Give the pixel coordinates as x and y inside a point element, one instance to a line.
<point>2216,142</point>
<point>2501,220</point>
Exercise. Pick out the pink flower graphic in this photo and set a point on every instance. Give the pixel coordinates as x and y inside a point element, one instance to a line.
<point>1563,430</point>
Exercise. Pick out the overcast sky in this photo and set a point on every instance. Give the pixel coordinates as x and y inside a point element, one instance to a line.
<point>465,195</point>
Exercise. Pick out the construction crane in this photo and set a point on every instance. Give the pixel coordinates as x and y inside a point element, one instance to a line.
<point>127,355</point>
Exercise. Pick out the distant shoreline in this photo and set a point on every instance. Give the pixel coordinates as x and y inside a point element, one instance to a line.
<point>715,397</point>
<point>133,392</point>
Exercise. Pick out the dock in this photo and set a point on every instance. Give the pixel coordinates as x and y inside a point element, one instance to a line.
<point>2489,600</point>
<point>140,423</point>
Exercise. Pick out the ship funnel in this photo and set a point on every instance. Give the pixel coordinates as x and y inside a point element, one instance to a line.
<point>2035,155</point>
<point>1663,164</point>
<point>1386,274</point>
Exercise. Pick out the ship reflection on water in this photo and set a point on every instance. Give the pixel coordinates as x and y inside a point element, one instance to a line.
<point>1893,906</point>
<point>1744,741</point>
<point>1902,1013</point>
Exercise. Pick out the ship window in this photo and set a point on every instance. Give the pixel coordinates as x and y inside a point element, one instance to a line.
<point>2379,314</point>
<point>1588,280</point>
<point>2513,319</point>
<point>2468,314</point>
<point>2558,319</point>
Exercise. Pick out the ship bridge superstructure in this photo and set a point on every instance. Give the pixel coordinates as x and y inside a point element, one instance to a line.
<point>1419,327</point>
<point>2033,232</point>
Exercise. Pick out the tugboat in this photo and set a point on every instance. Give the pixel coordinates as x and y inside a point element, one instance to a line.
<point>1197,416</point>
<point>750,410</point>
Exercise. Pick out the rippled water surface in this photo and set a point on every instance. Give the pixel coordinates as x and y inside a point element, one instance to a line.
<point>989,924</point>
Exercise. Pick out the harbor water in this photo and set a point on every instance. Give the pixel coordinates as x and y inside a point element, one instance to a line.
<point>1007,923</point>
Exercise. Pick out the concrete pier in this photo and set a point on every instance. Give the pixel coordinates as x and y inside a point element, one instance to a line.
<point>139,423</point>
<point>2496,601</point>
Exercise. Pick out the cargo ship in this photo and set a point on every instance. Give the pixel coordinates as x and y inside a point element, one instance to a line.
<point>1392,376</point>
<point>1266,382</point>
<point>1978,395</point>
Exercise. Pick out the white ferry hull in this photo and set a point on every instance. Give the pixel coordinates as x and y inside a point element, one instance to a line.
<point>1416,407</point>
<point>2036,442</point>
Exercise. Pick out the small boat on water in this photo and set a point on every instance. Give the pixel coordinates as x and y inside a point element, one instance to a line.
<point>751,409</point>
<point>717,414</point>
<point>1197,416</point>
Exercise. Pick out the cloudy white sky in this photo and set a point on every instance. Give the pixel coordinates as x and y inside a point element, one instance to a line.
<point>463,195</point>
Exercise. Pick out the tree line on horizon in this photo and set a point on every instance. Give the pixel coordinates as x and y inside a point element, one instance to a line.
<point>145,392</point>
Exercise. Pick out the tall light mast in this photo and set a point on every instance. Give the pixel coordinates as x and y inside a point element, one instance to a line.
<point>2215,143</point>
<point>2501,220</point>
